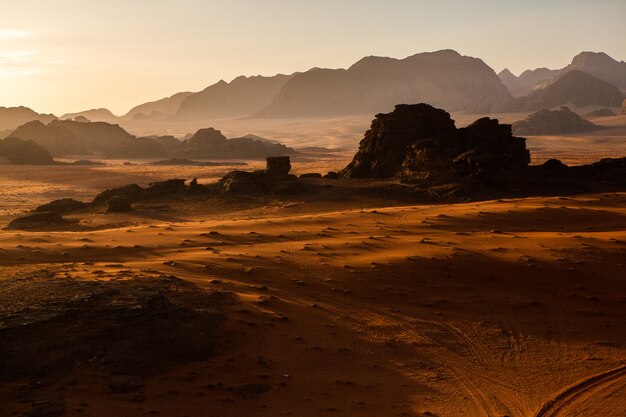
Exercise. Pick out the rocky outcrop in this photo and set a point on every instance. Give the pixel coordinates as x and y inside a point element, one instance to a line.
<point>278,166</point>
<point>421,142</point>
<point>15,151</point>
<point>553,122</point>
<point>275,178</point>
<point>40,220</point>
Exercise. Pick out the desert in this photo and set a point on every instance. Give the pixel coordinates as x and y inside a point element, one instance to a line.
<point>226,209</point>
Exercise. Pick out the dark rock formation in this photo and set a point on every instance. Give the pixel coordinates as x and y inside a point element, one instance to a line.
<point>332,175</point>
<point>278,166</point>
<point>37,221</point>
<point>119,204</point>
<point>553,122</point>
<point>275,178</point>
<point>63,205</point>
<point>421,142</point>
<point>15,151</point>
<point>130,190</point>
<point>172,186</point>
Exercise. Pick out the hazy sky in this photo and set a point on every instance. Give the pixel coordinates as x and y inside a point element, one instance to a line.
<point>70,55</point>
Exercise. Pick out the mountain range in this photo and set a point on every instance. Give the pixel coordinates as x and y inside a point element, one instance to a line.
<point>375,84</point>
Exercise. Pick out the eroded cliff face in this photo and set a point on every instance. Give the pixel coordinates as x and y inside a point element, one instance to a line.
<point>421,142</point>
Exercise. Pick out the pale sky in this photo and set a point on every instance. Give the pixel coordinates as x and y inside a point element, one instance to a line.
<point>71,55</point>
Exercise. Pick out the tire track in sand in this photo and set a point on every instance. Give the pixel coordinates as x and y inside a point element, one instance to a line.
<point>583,391</point>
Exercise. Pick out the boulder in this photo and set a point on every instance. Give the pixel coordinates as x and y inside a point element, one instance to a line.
<point>119,204</point>
<point>418,141</point>
<point>311,175</point>
<point>332,175</point>
<point>278,166</point>
<point>553,122</point>
<point>37,221</point>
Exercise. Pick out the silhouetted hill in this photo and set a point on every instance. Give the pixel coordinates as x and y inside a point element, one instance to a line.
<point>574,87</point>
<point>12,117</point>
<point>553,122</point>
<point>528,81</point>
<point>66,137</point>
<point>164,107</point>
<point>15,151</point>
<point>93,115</point>
<point>598,64</point>
<point>241,97</point>
<point>601,66</point>
<point>374,84</point>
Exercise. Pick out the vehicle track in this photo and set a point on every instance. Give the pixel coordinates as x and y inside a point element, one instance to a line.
<point>583,391</point>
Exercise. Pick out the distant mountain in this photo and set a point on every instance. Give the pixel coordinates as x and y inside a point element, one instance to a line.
<point>598,64</point>
<point>164,107</point>
<point>12,117</point>
<point>553,122</point>
<point>601,66</point>
<point>374,84</point>
<point>528,81</point>
<point>241,97</point>
<point>576,88</point>
<point>93,115</point>
<point>65,137</point>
